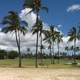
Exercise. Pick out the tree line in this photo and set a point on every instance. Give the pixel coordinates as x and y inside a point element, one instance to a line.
<point>13,23</point>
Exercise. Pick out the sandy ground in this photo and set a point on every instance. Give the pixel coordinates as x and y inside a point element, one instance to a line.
<point>39,74</point>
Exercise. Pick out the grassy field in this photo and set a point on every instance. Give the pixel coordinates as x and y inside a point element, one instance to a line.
<point>31,63</point>
<point>9,69</point>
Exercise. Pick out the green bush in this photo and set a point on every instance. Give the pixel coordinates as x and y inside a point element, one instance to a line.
<point>12,55</point>
<point>3,54</point>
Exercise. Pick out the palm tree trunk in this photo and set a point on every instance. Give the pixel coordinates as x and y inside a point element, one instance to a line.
<point>41,50</point>
<point>50,54</point>
<point>58,51</point>
<point>36,65</point>
<point>74,51</point>
<point>19,50</point>
<point>53,54</point>
<point>18,45</point>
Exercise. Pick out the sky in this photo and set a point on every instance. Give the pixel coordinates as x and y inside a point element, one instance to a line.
<point>58,13</point>
<point>64,13</point>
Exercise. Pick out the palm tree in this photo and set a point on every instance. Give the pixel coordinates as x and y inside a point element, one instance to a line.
<point>36,6</point>
<point>39,29</point>
<point>48,40</point>
<point>59,39</point>
<point>41,46</point>
<point>12,23</point>
<point>78,32</point>
<point>53,38</point>
<point>77,48</point>
<point>50,37</point>
<point>50,48</point>
<point>66,48</point>
<point>72,49</point>
<point>73,37</point>
<point>28,50</point>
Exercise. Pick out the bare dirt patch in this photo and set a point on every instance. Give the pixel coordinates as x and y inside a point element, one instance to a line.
<point>39,74</point>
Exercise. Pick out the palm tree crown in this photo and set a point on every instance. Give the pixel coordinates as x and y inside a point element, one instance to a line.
<point>12,23</point>
<point>73,34</point>
<point>35,5</point>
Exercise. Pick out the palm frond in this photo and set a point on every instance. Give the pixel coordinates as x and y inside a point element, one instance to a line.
<point>23,23</point>
<point>44,8</point>
<point>73,34</point>
<point>7,29</point>
<point>23,30</point>
<point>12,23</point>
<point>28,4</point>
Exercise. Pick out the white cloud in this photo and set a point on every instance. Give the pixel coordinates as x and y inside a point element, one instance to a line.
<point>65,39</point>
<point>29,18</point>
<point>8,41</point>
<point>59,25</point>
<point>75,7</point>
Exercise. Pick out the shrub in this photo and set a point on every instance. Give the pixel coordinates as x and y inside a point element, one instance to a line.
<point>12,55</point>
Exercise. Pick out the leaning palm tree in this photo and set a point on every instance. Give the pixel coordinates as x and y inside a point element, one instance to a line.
<point>73,37</point>
<point>12,23</point>
<point>58,39</point>
<point>36,6</point>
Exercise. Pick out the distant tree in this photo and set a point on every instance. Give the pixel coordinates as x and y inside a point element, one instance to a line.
<point>12,55</point>
<point>3,54</point>
<point>77,48</point>
<point>67,48</point>
<point>28,50</point>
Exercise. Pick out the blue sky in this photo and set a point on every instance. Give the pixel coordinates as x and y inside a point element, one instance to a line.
<point>57,14</point>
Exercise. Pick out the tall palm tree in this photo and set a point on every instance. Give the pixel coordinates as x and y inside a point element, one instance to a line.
<point>12,23</point>
<point>39,29</point>
<point>36,6</point>
<point>58,39</point>
<point>50,37</point>
<point>53,38</point>
<point>41,46</point>
<point>48,40</point>
<point>73,37</point>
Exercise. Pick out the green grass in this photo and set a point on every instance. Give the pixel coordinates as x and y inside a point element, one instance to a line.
<point>31,63</point>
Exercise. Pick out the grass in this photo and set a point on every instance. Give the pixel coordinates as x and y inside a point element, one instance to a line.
<point>31,63</point>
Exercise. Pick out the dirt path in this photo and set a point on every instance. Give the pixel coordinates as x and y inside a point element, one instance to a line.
<point>39,74</point>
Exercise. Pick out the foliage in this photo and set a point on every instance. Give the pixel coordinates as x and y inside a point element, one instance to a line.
<point>12,55</point>
<point>3,54</point>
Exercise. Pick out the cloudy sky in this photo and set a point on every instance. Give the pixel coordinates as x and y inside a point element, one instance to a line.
<point>64,13</point>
